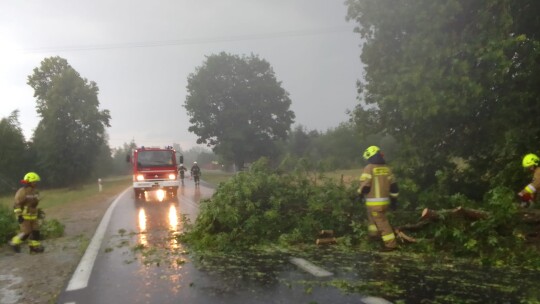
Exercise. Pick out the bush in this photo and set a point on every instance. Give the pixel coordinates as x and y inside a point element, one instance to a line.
<point>261,206</point>
<point>8,224</point>
<point>52,229</point>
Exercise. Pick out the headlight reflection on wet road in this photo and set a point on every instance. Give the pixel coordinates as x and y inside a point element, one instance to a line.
<point>173,225</point>
<point>142,227</point>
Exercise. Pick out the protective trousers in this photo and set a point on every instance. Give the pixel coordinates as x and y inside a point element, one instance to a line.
<point>30,231</point>
<point>379,226</point>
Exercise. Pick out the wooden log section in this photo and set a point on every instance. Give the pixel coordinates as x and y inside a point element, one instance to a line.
<point>326,241</point>
<point>326,237</point>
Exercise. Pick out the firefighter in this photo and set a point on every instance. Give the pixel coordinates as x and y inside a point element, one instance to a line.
<point>527,195</point>
<point>26,211</point>
<point>182,170</point>
<point>380,190</point>
<point>196,173</point>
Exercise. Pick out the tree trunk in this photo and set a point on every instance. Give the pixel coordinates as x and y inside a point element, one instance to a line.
<point>471,214</point>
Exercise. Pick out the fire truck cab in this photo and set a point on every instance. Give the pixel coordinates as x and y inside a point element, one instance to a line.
<point>154,169</point>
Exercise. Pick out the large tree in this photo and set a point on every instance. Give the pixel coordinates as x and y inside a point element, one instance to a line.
<point>71,133</point>
<point>456,83</point>
<point>13,152</point>
<point>238,107</point>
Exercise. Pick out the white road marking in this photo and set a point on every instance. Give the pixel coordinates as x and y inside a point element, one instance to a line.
<point>80,277</point>
<point>310,268</point>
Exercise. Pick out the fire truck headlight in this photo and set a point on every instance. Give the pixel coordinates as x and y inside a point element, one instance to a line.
<point>172,176</point>
<point>140,177</point>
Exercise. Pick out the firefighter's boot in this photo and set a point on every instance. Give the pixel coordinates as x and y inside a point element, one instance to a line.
<point>15,243</point>
<point>34,244</point>
<point>15,247</point>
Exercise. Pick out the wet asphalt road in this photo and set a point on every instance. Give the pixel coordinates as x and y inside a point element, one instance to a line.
<point>140,261</point>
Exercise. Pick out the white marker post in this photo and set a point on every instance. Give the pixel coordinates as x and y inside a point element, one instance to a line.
<point>100,186</point>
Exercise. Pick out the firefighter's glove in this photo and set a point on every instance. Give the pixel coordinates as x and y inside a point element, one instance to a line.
<point>358,199</point>
<point>20,219</point>
<point>41,214</point>
<point>393,203</point>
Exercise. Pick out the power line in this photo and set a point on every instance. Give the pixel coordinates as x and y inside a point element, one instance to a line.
<point>193,41</point>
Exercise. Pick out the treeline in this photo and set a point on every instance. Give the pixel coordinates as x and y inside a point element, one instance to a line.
<point>18,156</point>
<point>70,145</point>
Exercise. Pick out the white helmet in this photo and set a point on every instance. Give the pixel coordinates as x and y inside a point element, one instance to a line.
<point>195,162</point>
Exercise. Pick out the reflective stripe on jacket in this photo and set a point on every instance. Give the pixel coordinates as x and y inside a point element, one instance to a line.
<point>378,178</point>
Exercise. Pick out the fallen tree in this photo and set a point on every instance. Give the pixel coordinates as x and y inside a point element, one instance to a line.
<point>429,216</point>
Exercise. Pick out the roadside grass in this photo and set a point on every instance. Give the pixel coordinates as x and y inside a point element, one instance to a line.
<point>347,176</point>
<point>57,198</point>
<point>215,177</point>
<point>52,198</point>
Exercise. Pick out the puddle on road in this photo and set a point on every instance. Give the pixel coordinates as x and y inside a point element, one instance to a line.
<point>7,295</point>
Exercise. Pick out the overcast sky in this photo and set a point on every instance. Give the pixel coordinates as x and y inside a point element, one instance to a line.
<point>140,54</point>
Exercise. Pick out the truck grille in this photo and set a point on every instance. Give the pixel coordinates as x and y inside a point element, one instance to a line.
<point>156,176</point>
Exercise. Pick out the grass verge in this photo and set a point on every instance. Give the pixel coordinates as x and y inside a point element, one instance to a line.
<point>52,199</point>
<point>215,177</point>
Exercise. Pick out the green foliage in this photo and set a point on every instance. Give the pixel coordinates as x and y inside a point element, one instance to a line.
<point>52,229</point>
<point>71,133</point>
<point>8,224</point>
<point>14,153</point>
<point>237,106</point>
<point>498,239</point>
<point>337,148</point>
<point>453,82</point>
<point>261,206</point>
<point>120,165</point>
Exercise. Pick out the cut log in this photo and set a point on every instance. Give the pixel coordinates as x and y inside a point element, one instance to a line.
<point>403,237</point>
<point>326,241</point>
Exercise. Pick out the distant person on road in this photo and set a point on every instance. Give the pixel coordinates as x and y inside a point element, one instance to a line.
<point>380,190</point>
<point>182,170</point>
<point>527,195</point>
<point>26,211</point>
<point>196,173</point>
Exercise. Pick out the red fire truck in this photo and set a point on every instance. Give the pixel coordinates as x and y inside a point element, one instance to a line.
<point>155,169</point>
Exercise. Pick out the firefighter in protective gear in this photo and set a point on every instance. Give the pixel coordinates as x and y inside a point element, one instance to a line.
<point>527,195</point>
<point>26,211</point>
<point>182,170</point>
<point>196,173</point>
<point>380,190</point>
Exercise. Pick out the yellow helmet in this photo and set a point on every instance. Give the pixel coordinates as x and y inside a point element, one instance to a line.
<point>530,160</point>
<point>31,177</point>
<point>370,151</point>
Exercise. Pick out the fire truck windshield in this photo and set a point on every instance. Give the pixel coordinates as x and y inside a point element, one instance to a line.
<point>151,158</point>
